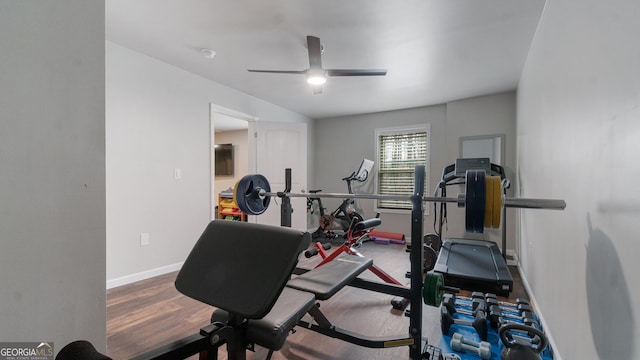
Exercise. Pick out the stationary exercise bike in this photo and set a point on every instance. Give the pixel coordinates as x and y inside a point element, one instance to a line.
<point>345,215</point>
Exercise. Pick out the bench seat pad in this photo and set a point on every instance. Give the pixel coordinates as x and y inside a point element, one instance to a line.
<point>329,278</point>
<point>272,330</point>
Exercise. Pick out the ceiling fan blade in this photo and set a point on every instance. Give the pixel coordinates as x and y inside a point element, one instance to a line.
<point>280,71</point>
<point>356,72</point>
<point>315,52</point>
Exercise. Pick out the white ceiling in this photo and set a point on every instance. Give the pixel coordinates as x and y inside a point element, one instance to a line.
<point>434,50</point>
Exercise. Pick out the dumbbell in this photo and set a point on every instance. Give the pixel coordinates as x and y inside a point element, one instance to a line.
<point>492,299</point>
<point>476,305</point>
<point>479,323</point>
<point>511,314</point>
<point>496,319</point>
<point>460,344</point>
<point>497,316</point>
<point>474,300</point>
<point>520,308</point>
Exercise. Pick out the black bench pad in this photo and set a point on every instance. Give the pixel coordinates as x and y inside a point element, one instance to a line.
<point>326,280</point>
<point>272,330</point>
<point>367,224</point>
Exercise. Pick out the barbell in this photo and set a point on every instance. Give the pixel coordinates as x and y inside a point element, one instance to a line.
<point>483,199</point>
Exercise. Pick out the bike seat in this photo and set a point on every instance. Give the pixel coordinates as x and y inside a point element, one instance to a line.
<point>314,191</point>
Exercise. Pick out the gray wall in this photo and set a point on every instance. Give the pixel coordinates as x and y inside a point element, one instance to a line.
<point>578,139</point>
<point>341,143</point>
<point>484,115</point>
<point>52,191</point>
<point>157,119</point>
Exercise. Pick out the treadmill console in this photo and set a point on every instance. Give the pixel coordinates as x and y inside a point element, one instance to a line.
<point>462,165</point>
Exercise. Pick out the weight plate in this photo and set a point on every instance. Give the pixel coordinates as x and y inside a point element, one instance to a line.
<point>474,201</point>
<point>247,194</point>
<point>433,240</point>
<point>433,289</point>
<point>497,203</point>
<point>429,258</point>
<point>488,204</point>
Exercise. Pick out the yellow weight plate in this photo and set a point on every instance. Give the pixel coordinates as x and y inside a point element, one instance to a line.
<point>488,204</point>
<point>235,189</point>
<point>497,203</point>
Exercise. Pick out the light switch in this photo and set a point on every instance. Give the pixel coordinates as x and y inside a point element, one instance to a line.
<point>144,239</point>
<point>177,173</point>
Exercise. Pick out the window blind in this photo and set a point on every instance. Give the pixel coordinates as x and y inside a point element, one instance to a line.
<point>397,158</point>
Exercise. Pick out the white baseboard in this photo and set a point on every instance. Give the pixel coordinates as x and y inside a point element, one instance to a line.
<point>147,274</point>
<point>532,300</point>
<point>512,258</point>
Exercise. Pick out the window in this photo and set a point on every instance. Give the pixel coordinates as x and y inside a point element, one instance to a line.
<point>399,150</point>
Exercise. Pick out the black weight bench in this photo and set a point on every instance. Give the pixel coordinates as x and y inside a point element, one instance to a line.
<point>228,269</point>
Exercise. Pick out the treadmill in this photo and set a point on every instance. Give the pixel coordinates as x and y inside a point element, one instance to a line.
<point>476,265</point>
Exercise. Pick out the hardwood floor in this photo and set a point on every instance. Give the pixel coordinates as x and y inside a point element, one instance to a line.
<point>151,313</point>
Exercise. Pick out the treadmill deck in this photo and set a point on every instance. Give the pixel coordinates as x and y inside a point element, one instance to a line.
<point>475,265</point>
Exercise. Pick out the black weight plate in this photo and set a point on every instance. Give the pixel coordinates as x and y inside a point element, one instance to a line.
<point>247,194</point>
<point>429,258</point>
<point>433,240</point>
<point>474,202</point>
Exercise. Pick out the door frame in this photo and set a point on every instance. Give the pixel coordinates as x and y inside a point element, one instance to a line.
<point>213,110</point>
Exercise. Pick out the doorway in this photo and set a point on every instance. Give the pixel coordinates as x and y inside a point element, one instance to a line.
<point>270,148</point>
<point>230,140</point>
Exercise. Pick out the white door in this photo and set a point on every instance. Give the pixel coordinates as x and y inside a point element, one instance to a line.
<point>279,146</point>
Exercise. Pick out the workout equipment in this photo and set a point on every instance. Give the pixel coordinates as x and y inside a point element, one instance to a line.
<point>523,314</point>
<point>80,349</point>
<point>432,245</point>
<point>492,299</point>
<point>515,349</point>
<point>355,235</point>
<point>433,289</point>
<point>435,353</point>
<point>344,215</point>
<point>251,195</point>
<point>479,323</point>
<point>474,264</point>
<point>461,344</point>
<point>476,305</point>
<point>488,270</point>
<point>315,251</point>
<point>497,318</point>
<point>261,310</point>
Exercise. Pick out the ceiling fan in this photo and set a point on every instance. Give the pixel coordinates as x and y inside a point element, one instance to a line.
<point>316,75</point>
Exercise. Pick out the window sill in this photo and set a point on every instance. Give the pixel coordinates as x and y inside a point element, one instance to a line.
<point>426,211</point>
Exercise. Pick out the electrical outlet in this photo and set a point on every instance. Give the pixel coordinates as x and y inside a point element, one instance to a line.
<point>144,239</point>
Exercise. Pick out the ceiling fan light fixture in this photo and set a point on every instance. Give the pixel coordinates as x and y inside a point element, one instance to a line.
<point>316,77</point>
<point>316,80</point>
